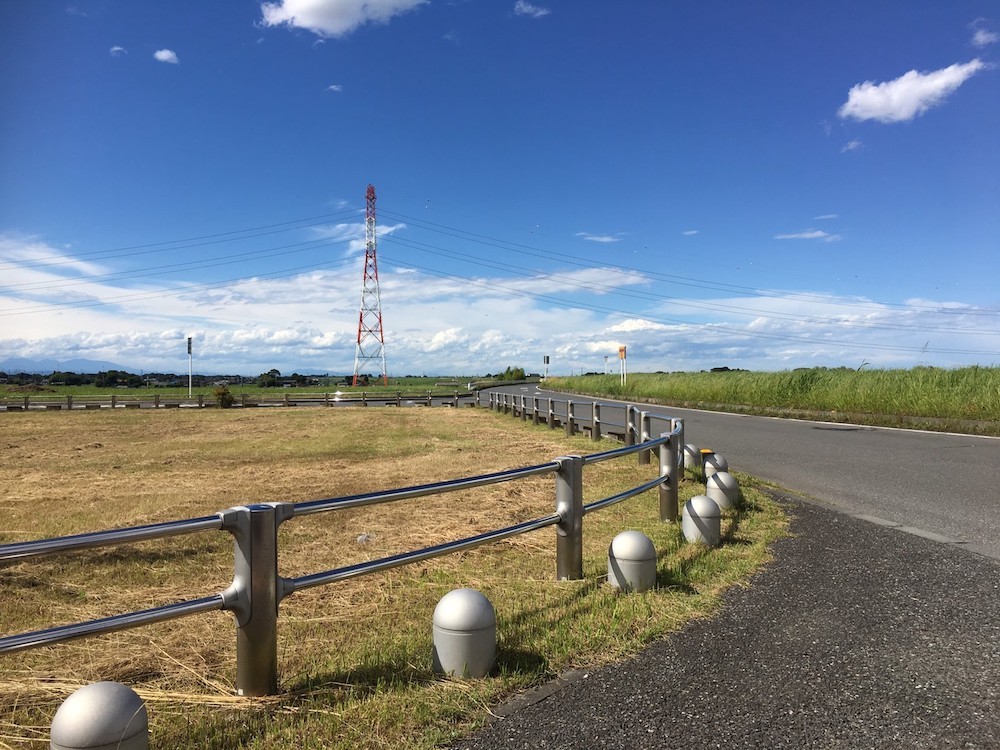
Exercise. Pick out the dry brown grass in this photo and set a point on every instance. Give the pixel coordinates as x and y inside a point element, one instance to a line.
<point>66,473</point>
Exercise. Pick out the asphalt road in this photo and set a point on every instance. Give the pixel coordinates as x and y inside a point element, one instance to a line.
<point>942,485</point>
<point>856,636</point>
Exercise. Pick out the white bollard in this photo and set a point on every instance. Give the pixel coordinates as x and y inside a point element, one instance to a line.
<point>101,716</point>
<point>691,457</point>
<point>723,488</point>
<point>632,562</point>
<point>701,521</point>
<point>713,463</point>
<point>465,634</point>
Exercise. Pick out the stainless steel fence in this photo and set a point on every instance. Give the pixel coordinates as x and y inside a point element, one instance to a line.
<point>257,587</point>
<point>287,397</point>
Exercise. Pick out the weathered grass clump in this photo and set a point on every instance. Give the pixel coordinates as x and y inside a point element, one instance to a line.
<point>354,658</point>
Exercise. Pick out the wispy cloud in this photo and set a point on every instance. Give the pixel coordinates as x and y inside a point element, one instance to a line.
<point>598,237</point>
<point>166,56</point>
<point>689,232</point>
<point>117,51</point>
<point>333,18</point>
<point>908,96</point>
<point>826,217</point>
<point>307,322</point>
<point>335,88</point>
<point>353,234</point>
<point>809,234</point>
<point>524,8</point>
<point>855,145</point>
<point>981,35</point>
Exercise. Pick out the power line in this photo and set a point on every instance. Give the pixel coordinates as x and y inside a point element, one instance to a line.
<point>671,278</point>
<point>555,301</point>
<point>182,244</point>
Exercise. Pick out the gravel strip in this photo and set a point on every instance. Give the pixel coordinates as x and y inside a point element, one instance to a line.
<point>856,636</point>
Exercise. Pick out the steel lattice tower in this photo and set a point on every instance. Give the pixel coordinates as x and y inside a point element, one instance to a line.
<point>371,341</point>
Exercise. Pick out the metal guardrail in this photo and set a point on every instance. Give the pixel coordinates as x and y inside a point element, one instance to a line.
<point>257,588</point>
<point>287,397</point>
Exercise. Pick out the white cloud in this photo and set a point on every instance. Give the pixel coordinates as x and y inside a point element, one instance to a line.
<point>335,87</point>
<point>333,18</point>
<point>826,217</point>
<point>598,237</point>
<point>523,8</point>
<point>117,51</point>
<point>166,56</point>
<point>307,322</point>
<point>353,234</point>
<point>809,234</point>
<point>908,96</point>
<point>855,145</point>
<point>982,36</point>
<point>689,232</point>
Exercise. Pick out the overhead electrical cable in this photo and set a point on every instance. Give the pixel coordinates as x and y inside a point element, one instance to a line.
<point>708,306</point>
<point>556,302</point>
<point>671,278</point>
<point>182,244</point>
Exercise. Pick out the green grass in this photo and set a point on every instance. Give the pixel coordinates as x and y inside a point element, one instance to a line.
<point>966,398</point>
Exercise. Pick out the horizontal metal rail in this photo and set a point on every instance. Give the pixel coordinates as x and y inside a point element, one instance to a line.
<point>21,550</point>
<point>309,507</point>
<point>628,450</point>
<point>24,641</point>
<point>257,589</point>
<point>405,558</point>
<point>598,504</point>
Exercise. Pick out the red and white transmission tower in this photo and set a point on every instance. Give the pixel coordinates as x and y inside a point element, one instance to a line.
<point>371,342</point>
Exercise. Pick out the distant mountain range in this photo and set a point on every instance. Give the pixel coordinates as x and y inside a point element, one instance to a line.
<point>48,366</point>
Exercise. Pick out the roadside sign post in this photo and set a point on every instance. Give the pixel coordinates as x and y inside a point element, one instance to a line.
<point>622,361</point>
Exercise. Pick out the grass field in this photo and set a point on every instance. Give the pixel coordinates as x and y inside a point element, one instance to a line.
<point>963,399</point>
<point>354,658</point>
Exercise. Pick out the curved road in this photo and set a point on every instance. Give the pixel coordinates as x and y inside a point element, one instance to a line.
<point>939,485</point>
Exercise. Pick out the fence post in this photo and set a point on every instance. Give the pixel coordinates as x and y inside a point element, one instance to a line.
<point>595,430</point>
<point>678,424</point>
<point>668,470</point>
<point>534,410</point>
<point>254,595</point>
<point>569,530</point>
<point>570,419</point>
<point>552,415</point>
<point>644,456</point>
<point>524,408</point>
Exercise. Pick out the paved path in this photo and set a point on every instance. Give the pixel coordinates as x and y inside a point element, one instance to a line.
<point>856,636</point>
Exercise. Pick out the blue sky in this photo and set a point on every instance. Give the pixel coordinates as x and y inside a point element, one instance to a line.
<point>761,185</point>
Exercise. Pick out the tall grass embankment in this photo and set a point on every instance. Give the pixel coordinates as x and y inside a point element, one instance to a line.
<point>355,664</point>
<point>966,399</point>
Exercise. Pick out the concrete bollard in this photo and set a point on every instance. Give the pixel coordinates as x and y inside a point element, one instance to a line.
<point>632,562</point>
<point>465,634</point>
<point>691,457</point>
<point>713,463</point>
<point>723,488</point>
<point>101,716</point>
<point>701,521</point>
